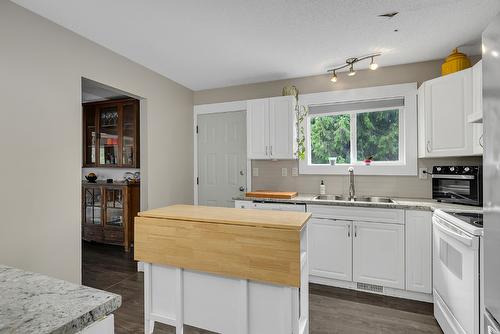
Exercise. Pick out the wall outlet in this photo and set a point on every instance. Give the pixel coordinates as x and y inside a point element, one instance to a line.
<point>295,171</point>
<point>284,171</point>
<point>422,173</point>
<point>255,171</point>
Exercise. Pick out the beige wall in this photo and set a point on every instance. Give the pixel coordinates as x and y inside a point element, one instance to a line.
<point>395,186</point>
<point>41,65</point>
<point>270,171</point>
<point>321,83</point>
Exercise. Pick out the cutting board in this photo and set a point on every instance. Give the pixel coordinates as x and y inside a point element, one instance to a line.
<point>272,194</point>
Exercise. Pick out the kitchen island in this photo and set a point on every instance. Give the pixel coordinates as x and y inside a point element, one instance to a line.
<point>225,270</point>
<point>35,303</point>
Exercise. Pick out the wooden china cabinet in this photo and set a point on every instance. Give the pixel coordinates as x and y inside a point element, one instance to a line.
<point>111,134</point>
<point>110,140</point>
<point>108,212</point>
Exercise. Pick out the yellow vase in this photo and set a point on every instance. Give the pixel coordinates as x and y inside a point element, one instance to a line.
<point>455,62</point>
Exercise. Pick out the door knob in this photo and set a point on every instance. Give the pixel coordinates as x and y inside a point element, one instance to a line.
<point>242,188</point>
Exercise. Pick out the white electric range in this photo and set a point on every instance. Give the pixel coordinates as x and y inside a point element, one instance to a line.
<point>456,267</point>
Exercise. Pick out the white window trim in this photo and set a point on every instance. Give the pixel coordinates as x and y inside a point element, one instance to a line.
<point>407,122</point>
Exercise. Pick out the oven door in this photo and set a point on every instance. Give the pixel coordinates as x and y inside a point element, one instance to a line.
<point>456,278</point>
<point>463,189</point>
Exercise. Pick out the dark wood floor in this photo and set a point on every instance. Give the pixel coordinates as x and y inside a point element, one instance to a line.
<point>332,310</point>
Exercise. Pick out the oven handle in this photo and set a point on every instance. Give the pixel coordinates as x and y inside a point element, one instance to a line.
<point>465,239</point>
<point>454,177</point>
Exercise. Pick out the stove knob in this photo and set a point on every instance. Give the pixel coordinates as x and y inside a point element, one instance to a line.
<point>466,169</point>
<point>452,169</point>
<point>438,169</point>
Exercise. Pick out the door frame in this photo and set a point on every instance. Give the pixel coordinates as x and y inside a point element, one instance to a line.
<point>215,108</point>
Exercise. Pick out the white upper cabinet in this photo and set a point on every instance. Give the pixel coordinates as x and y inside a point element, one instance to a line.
<point>282,127</point>
<point>271,128</point>
<point>477,116</point>
<point>444,106</point>
<point>379,254</point>
<point>258,129</point>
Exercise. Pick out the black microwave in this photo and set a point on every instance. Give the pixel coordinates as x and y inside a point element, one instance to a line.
<point>458,184</point>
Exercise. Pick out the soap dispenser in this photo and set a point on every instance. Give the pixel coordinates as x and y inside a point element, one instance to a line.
<point>322,188</point>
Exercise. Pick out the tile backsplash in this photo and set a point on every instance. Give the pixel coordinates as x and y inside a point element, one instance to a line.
<point>270,178</point>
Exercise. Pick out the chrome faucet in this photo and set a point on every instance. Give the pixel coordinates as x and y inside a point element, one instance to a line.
<point>352,191</point>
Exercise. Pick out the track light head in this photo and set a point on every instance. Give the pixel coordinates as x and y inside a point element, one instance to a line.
<point>373,65</point>
<point>334,77</point>
<point>352,72</point>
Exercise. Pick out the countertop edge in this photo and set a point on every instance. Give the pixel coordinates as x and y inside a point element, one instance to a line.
<point>399,203</point>
<point>90,317</point>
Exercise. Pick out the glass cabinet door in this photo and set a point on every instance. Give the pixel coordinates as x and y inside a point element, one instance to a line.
<point>109,136</point>
<point>129,156</point>
<point>90,137</point>
<point>114,207</point>
<point>92,206</point>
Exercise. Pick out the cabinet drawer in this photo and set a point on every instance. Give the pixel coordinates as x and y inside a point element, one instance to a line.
<point>379,215</point>
<point>92,233</point>
<point>113,235</point>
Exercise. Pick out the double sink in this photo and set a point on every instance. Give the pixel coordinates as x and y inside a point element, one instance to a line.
<point>367,199</point>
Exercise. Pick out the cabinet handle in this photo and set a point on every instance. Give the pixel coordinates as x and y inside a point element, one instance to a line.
<point>348,230</point>
<point>355,231</point>
<point>481,141</point>
<point>429,146</point>
<point>271,150</point>
<point>267,150</point>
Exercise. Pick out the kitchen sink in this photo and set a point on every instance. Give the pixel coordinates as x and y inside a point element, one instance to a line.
<point>370,199</point>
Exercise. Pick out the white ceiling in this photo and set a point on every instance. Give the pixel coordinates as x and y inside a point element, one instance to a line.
<point>205,44</point>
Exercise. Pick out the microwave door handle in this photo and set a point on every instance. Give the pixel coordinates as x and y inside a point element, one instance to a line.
<point>466,240</point>
<point>457,195</point>
<point>453,177</point>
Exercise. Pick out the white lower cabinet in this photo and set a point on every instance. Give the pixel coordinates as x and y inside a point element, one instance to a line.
<point>378,254</point>
<point>330,253</point>
<point>419,251</point>
<point>381,250</point>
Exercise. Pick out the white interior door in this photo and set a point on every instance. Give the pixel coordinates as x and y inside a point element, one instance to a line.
<point>221,158</point>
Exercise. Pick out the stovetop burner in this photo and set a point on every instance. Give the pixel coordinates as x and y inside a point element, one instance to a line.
<point>475,219</point>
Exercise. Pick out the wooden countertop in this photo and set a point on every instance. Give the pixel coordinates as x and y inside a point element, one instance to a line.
<point>250,244</point>
<point>216,215</point>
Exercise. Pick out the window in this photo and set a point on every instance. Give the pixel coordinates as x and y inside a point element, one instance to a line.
<point>377,124</point>
<point>375,136</point>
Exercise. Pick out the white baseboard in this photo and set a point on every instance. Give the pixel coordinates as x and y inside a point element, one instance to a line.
<point>423,297</point>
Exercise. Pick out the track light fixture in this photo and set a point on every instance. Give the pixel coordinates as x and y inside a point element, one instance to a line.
<point>349,62</point>
<point>352,72</point>
<point>334,77</point>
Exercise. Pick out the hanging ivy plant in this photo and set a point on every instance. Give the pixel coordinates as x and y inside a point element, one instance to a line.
<point>301,113</point>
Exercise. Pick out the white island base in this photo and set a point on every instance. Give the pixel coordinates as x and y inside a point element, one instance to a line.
<point>175,297</point>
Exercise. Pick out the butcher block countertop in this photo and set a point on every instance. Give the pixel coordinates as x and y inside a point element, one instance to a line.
<point>255,245</point>
<point>215,215</point>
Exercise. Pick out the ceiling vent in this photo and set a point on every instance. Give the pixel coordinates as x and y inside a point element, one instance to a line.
<point>389,15</point>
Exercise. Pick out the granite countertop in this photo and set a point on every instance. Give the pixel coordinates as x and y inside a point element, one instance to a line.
<point>35,303</point>
<point>398,203</point>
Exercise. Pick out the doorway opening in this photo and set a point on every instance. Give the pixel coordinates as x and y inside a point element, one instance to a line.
<point>113,165</point>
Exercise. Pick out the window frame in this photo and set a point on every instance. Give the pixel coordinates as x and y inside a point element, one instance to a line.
<point>407,163</point>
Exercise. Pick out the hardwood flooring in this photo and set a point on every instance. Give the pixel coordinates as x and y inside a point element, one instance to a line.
<point>332,310</point>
